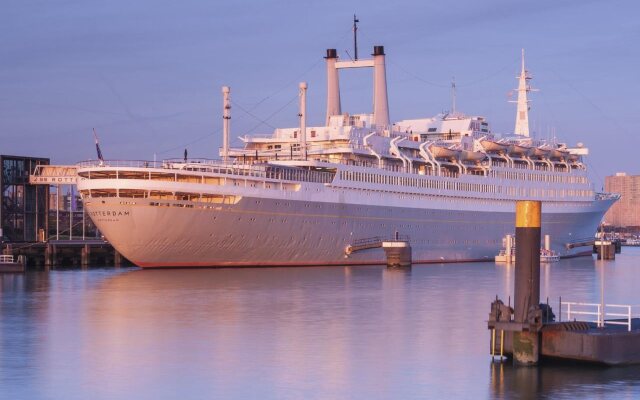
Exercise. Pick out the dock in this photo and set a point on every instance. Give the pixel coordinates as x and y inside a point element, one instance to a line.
<point>595,333</point>
<point>56,253</point>
<point>10,265</point>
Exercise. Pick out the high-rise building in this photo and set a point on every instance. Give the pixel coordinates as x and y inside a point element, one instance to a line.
<point>626,211</point>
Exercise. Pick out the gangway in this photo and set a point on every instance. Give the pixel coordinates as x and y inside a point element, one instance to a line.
<point>397,248</point>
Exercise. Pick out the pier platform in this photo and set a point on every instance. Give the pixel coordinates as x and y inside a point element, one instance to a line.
<point>56,253</point>
<point>11,265</point>
<point>585,341</point>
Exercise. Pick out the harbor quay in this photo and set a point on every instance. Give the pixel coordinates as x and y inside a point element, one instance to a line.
<point>65,253</point>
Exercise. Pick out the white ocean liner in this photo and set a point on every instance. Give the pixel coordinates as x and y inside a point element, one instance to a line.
<point>303,195</point>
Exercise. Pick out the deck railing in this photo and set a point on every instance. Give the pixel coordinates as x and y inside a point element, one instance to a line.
<point>195,166</point>
<point>618,314</point>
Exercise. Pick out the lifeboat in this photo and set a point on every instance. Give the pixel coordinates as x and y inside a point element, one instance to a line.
<point>574,157</point>
<point>443,151</point>
<point>466,155</point>
<point>519,150</point>
<point>558,154</point>
<point>492,146</point>
<point>539,151</point>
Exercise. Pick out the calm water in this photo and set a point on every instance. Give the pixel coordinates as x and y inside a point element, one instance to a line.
<point>288,333</point>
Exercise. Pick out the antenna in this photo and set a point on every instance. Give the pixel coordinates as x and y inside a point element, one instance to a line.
<point>355,37</point>
<point>453,95</point>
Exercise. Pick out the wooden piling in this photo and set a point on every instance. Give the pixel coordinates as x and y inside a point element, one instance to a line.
<point>50,256</point>
<point>117,258</point>
<point>85,256</point>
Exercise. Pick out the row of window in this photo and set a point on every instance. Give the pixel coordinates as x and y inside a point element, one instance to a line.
<point>425,183</point>
<point>528,176</point>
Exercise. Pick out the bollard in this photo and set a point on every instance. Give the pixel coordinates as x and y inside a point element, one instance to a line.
<point>526,344</point>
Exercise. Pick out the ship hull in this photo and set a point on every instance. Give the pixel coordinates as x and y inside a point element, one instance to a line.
<point>272,232</point>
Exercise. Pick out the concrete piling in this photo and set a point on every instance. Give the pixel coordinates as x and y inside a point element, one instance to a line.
<point>605,250</point>
<point>526,344</point>
<point>398,253</point>
<point>527,273</point>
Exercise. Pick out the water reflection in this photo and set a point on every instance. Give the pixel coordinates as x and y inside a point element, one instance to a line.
<point>353,332</point>
<point>564,381</point>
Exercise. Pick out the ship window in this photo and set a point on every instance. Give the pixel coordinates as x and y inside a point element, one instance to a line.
<point>133,193</point>
<point>156,194</point>
<point>133,175</point>
<point>103,193</point>
<point>161,176</point>
<point>189,178</point>
<point>431,129</point>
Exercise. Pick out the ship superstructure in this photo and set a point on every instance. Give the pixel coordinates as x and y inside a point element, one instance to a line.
<point>303,195</point>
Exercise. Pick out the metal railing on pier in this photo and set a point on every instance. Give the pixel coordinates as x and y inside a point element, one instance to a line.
<point>618,314</point>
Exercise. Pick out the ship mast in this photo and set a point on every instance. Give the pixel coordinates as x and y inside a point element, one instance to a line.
<point>522,112</point>
<point>355,37</point>
<point>226,121</point>
<point>453,96</point>
<point>303,119</point>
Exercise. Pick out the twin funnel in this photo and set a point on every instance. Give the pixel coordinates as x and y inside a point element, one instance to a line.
<point>380,100</point>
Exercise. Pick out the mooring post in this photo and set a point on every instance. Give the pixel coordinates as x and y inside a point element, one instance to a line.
<point>85,256</point>
<point>526,343</point>
<point>50,256</point>
<point>117,258</point>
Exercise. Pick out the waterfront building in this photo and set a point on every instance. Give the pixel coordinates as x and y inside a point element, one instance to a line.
<point>626,212</point>
<point>23,207</point>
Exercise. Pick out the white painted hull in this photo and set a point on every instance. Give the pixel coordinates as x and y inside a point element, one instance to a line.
<point>259,231</point>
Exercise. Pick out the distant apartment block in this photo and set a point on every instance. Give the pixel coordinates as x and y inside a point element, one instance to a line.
<point>626,211</point>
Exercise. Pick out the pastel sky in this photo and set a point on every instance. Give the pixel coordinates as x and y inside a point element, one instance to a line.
<point>147,74</point>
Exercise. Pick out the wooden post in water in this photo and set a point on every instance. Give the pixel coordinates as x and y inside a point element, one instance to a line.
<point>50,256</point>
<point>526,343</point>
<point>85,256</point>
<point>117,258</point>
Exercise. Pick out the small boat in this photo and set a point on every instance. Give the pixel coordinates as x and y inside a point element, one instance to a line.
<point>539,151</point>
<point>558,154</point>
<point>549,256</point>
<point>504,257</point>
<point>519,150</point>
<point>546,256</point>
<point>574,157</point>
<point>9,264</point>
<point>466,155</point>
<point>443,151</point>
<point>492,146</point>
